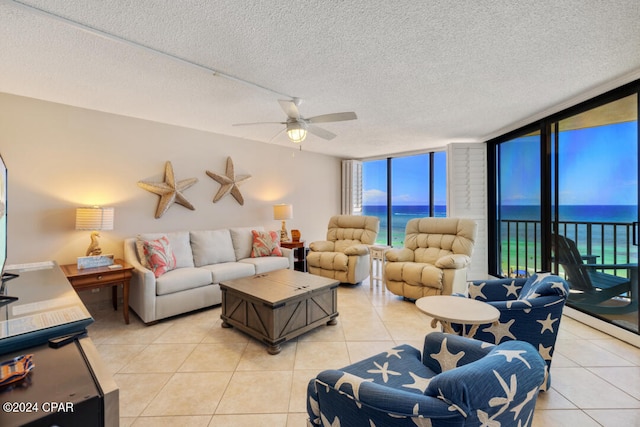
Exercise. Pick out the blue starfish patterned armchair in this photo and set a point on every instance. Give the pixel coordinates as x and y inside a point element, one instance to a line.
<point>530,310</point>
<point>457,381</point>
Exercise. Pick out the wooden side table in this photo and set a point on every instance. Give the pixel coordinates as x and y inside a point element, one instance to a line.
<point>376,265</point>
<point>299,254</point>
<point>448,309</point>
<point>92,278</point>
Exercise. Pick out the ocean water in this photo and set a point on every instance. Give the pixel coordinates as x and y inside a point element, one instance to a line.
<point>399,218</point>
<point>609,223</point>
<point>576,213</point>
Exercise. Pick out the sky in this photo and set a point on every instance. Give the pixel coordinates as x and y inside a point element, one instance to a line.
<point>410,181</point>
<point>597,166</point>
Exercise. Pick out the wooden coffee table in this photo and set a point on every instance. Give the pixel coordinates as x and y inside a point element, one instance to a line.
<point>448,309</point>
<point>278,306</point>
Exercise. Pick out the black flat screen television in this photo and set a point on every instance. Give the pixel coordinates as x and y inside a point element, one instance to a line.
<point>3,215</point>
<point>4,276</point>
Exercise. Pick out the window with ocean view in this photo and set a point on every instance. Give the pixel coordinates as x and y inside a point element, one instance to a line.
<point>567,202</point>
<point>401,188</point>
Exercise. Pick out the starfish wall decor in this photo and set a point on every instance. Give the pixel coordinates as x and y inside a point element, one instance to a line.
<point>229,183</point>
<point>169,191</point>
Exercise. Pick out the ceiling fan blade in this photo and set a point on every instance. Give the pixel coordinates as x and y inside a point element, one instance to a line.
<point>290,108</point>
<point>322,133</point>
<point>333,117</point>
<point>259,123</point>
<point>278,134</point>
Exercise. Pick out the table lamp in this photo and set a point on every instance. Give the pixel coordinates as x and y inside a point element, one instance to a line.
<point>283,212</point>
<point>94,218</point>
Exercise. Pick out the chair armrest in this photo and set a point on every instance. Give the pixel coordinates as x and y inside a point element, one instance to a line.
<point>612,266</point>
<point>360,249</point>
<point>399,255</point>
<point>454,261</point>
<point>322,246</point>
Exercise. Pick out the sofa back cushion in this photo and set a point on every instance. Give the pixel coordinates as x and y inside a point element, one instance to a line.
<point>355,228</point>
<point>211,247</point>
<point>242,239</point>
<point>179,242</point>
<point>433,238</point>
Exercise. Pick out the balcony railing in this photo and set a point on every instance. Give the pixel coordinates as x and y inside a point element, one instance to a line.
<point>599,242</point>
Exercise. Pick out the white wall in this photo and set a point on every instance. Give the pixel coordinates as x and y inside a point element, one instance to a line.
<point>61,157</point>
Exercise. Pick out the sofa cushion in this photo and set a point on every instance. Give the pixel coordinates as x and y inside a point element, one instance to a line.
<point>229,271</point>
<point>182,279</point>
<point>266,264</point>
<point>180,246</point>
<point>211,247</point>
<point>158,255</point>
<point>265,243</point>
<point>242,239</point>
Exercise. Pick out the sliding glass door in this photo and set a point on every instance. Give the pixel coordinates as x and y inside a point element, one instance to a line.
<point>566,201</point>
<point>595,209</point>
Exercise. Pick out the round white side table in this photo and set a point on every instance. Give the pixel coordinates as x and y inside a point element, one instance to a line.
<point>448,309</point>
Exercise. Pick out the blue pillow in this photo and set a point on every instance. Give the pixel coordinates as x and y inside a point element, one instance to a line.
<point>544,284</point>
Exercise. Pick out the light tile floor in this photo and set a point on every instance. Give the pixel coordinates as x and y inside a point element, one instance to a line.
<point>189,371</point>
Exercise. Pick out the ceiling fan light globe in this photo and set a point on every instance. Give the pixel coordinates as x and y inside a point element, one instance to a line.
<point>296,134</point>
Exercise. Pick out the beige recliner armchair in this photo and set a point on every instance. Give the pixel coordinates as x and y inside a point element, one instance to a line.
<point>434,260</point>
<point>344,256</point>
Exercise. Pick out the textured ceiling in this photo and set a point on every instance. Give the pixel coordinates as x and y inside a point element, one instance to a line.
<point>419,74</point>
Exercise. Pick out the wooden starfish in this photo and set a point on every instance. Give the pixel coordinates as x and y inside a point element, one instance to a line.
<point>170,191</point>
<point>229,183</point>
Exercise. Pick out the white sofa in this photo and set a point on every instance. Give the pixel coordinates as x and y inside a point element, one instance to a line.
<point>203,260</point>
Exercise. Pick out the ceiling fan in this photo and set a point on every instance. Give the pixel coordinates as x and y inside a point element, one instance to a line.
<point>297,126</point>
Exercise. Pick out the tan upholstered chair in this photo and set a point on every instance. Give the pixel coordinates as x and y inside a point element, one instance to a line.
<point>344,256</point>
<point>434,260</point>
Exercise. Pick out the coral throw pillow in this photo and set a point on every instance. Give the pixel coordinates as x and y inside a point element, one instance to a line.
<point>265,243</point>
<point>159,256</point>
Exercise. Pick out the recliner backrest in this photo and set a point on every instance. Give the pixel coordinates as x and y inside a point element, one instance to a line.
<point>353,229</point>
<point>433,238</point>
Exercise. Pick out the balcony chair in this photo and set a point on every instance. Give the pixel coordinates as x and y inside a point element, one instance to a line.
<point>344,256</point>
<point>434,259</point>
<point>530,310</point>
<point>456,381</point>
<point>591,288</point>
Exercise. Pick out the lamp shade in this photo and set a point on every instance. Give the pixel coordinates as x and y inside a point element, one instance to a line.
<point>94,218</point>
<point>282,212</point>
